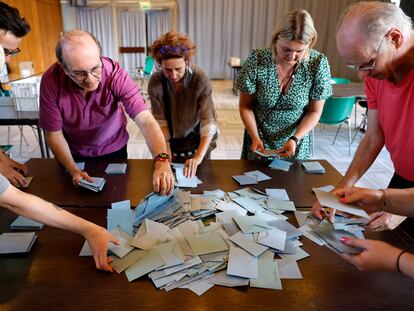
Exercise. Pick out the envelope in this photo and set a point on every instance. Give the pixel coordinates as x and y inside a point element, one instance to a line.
<point>246,242</point>
<point>251,224</point>
<point>258,175</point>
<point>206,243</point>
<point>289,269</point>
<point>328,199</point>
<point>150,233</point>
<point>245,179</point>
<point>274,238</point>
<point>268,273</point>
<point>124,246</point>
<point>280,194</point>
<point>122,218</point>
<point>183,181</point>
<point>151,261</point>
<point>116,168</point>
<point>248,204</point>
<point>224,279</point>
<point>242,264</point>
<point>280,205</point>
<point>121,264</point>
<point>171,253</point>
<point>280,165</point>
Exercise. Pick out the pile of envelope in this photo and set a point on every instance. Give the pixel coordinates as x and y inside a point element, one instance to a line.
<point>97,184</point>
<point>165,239</point>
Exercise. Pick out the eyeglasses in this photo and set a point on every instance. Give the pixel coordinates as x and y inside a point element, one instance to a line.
<point>8,52</point>
<point>83,75</point>
<point>371,64</point>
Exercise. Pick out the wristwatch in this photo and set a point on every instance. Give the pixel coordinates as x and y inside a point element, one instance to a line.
<point>295,139</point>
<point>162,157</point>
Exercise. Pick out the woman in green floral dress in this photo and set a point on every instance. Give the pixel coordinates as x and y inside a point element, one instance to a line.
<point>283,88</point>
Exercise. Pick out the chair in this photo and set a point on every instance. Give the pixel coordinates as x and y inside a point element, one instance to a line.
<point>335,80</point>
<point>144,73</point>
<point>364,122</point>
<point>336,111</point>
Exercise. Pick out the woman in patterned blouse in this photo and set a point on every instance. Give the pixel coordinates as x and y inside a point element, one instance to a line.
<point>283,88</point>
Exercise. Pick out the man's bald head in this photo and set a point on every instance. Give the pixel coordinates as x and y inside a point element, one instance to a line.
<point>74,41</point>
<point>368,22</point>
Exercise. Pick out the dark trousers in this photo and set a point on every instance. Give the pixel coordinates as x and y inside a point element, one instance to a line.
<point>398,182</point>
<point>121,154</point>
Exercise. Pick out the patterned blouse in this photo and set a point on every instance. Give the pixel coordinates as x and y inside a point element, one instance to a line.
<point>278,118</point>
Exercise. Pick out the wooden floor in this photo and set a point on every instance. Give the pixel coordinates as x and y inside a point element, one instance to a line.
<point>230,140</point>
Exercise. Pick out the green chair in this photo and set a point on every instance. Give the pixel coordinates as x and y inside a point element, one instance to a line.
<point>335,80</point>
<point>336,111</point>
<point>144,73</point>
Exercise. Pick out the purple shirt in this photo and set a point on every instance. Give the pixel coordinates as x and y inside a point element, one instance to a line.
<point>91,127</point>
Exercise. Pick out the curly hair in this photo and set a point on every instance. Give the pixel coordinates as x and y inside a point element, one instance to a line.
<point>173,45</point>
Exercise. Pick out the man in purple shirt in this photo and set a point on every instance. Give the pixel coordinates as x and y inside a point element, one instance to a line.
<point>83,101</point>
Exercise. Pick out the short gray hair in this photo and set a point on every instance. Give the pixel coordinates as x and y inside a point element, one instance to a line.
<point>376,19</point>
<point>296,26</point>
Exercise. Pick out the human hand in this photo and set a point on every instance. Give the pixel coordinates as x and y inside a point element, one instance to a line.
<point>190,166</point>
<point>163,178</point>
<point>288,149</point>
<point>77,175</point>
<point>257,144</point>
<point>11,172</point>
<point>98,239</point>
<point>381,221</point>
<point>377,255</point>
<point>320,212</point>
<point>368,199</point>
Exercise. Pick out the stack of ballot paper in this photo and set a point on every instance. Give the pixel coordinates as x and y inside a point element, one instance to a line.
<point>23,223</point>
<point>116,168</point>
<point>282,165</point>
<point>16,242</point>
<point>97,184</point>
<point>313,167</point>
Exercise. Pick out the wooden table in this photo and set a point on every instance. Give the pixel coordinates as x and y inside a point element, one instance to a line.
<point>53,277</point>
<point>52,183</point>
<point>9,116</point>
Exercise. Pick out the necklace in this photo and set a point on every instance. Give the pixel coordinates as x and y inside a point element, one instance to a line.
<point>285,78</point>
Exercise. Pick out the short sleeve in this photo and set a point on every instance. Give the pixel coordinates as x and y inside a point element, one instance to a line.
<point>127,91</point>
<point>246,80</point>
<point>370,92</point>
<point>322,88</point>
<point>4,184</point>
<point>50,118</point>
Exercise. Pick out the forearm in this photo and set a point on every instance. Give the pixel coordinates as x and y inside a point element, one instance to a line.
<point>309,121</point>
<point>61,150</point>
<point>247,115</point>
<point>40,210</point>
<point>406,264</point>
<point>400,201</point>
<point>152,133</point>
<point>203,147</point>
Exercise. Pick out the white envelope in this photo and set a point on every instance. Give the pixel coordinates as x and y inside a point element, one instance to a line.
<point>274,238</point>
<point>251,224</point>
<point>268,273</point>
<point>206,243</point>
<point>242,264</point>
<point>246,242</point>
<point>150,233</point>
<point>328,199</point>
<point>171,253</point>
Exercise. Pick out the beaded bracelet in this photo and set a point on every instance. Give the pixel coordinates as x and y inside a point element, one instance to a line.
<point>398,261</point>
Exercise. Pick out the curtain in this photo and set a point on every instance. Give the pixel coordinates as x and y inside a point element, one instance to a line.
<point>99,22</point>
<point>159,22</point>
<point>225,28</point>
<point>132,34</point>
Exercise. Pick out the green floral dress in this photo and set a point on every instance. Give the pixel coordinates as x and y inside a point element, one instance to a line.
<point>278,118</point>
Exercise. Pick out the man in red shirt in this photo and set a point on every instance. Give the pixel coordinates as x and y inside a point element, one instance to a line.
<point>377,40</point>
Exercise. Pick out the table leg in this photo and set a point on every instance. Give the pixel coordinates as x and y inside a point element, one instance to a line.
<point>39,134</point>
